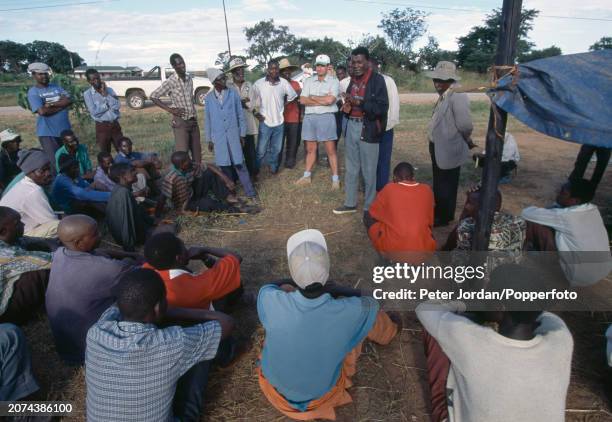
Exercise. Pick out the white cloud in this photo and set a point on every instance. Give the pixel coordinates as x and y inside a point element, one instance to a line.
<point>267,5</point>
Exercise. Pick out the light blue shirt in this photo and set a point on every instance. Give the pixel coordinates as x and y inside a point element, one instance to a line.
<point>54,124</point>
<point>101,108</point>
<point>313,87</point>
<point>307,340</point>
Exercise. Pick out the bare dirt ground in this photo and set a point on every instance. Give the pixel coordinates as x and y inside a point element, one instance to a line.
<point>390,384</point>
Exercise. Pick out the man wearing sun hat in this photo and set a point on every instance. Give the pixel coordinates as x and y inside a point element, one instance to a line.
<point>50,102</point>
<point>314,332</point>
<point>319,95</point>
<point>245,89</point>
<point>291,114</point>
<point>449,133</point>
<point>9,141</point>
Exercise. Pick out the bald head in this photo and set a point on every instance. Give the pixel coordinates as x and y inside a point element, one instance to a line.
<point>79,233</point>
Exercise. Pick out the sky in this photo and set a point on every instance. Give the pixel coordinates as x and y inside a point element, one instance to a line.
<point>145,32</point>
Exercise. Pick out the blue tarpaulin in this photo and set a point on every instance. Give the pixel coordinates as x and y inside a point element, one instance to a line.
<point>568,97</point>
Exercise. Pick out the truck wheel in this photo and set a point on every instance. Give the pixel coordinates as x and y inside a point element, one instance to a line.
<point>200,94</point>
<point>135,100</point>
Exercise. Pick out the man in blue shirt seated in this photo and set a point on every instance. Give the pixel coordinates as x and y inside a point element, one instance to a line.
<point>73,194</point>
<point>313,335</point>
<point>146,163</point>
<point>137,370</point>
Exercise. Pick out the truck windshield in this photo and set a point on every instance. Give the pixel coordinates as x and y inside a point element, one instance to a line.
<point>153,73</point>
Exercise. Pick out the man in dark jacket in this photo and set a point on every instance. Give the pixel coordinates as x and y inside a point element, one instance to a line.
<point>366,104</point>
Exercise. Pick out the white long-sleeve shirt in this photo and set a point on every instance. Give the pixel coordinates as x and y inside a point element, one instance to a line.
<point>577,229</point>
<point>393,113</point>
<point>496,378</point>
<point>30,201</point>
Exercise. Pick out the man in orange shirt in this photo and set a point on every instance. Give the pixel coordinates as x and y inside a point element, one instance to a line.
<point>220,283</point>
<point>400,219</point>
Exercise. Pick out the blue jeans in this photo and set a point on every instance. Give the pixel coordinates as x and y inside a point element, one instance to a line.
<point>17,379</point>
<point>269,144</point>
<point>385,148</point>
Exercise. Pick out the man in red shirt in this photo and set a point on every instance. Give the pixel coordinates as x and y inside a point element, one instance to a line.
<point>291,115</point>
<point>400,219</point>
<point>167,254</point>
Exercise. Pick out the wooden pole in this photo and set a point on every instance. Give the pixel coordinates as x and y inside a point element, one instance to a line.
<point>506,51</point>
<point>229,48</point>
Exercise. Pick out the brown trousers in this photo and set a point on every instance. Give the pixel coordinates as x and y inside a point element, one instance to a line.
<point>28,297</point>
<point>187,137</point>
<point>540,238</point>
<point>438,366</point>
<point>107,134</point>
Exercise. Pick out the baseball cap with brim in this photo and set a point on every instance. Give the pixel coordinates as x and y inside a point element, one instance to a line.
<point>444,71</point>
<point>286,64</point>
<point>8,135</point>
<point>322,60</point>
<point>236,63</point>
<point>308,258</point>
<point>39,68</point>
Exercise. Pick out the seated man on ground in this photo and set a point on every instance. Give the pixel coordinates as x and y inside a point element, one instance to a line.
<point>81,285</point>
<point>314,337</point>
<point>186,188</point>
<point>28,197</point>
<point>400,219</point>
<point>126,219</point>
<point>24,268</point>
<point>137,370</point>
<point>220,283</point>
<point>146,163</point>
<point>76,150</point>
<point>574,225</point>
<point>519,372</point>
<point>104,183</point>
<point>16,378</point>
<point>9,142</point>
<point>507,230</point>
<point>74,195</point>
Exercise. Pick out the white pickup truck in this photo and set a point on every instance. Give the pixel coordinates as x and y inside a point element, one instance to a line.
<point>137,89</point>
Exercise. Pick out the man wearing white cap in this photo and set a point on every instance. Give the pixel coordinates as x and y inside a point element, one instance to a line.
<point>50,102</point>
<point>319,97</point>
<point>28,198</point>
<point>225,129</point>
<point>314,336</point>
<point>9,141</point>
<point>449,133</point>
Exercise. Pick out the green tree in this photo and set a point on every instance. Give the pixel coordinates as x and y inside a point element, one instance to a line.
<point>267,40</point>
<point>477,48</point>
<point>431,54</point>
<point>383,52</point>
<point>54,54</point>
<point>13,56</point>
<point>604,43</point>
<point>403,28</point>
<point>551,51</point>
<point>306,49</point>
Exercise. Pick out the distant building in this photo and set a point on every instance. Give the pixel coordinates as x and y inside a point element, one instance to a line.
<point>107,72</point>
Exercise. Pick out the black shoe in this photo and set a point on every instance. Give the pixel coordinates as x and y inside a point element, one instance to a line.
<point>345,210</point>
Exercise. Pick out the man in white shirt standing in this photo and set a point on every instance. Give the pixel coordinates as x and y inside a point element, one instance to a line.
<point>519,372</point>
<point>574,226</point>
<point>319,96</point>
<point>28,198</point>
<point>385,148</point>
<point>272,93</point>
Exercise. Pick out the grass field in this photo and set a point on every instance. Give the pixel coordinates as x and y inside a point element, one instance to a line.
<point>391,383</point>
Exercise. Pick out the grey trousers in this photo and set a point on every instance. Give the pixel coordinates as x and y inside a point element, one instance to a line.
<point>359,156</point>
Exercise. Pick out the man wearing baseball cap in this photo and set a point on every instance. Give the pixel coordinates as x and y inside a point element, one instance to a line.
<point>50,102</point>
<point>314,332</point>
<point>9,140</point>
<point>319,97</point>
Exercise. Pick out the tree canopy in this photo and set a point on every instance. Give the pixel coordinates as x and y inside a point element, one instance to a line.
<point>15,57</point>
<point>267,40</point>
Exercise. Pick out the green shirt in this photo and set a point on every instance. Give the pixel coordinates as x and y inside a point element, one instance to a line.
<point>82,156</point>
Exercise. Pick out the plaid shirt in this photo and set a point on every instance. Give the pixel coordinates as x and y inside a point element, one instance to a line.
<point>177,188</point>
<point>180,93</point>
<point>15,261</point>
<point>131,368</point>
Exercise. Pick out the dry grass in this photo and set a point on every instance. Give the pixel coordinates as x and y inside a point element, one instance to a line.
<point>390,384</point>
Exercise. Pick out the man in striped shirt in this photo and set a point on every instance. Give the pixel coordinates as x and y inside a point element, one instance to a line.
<point>138,371</point>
